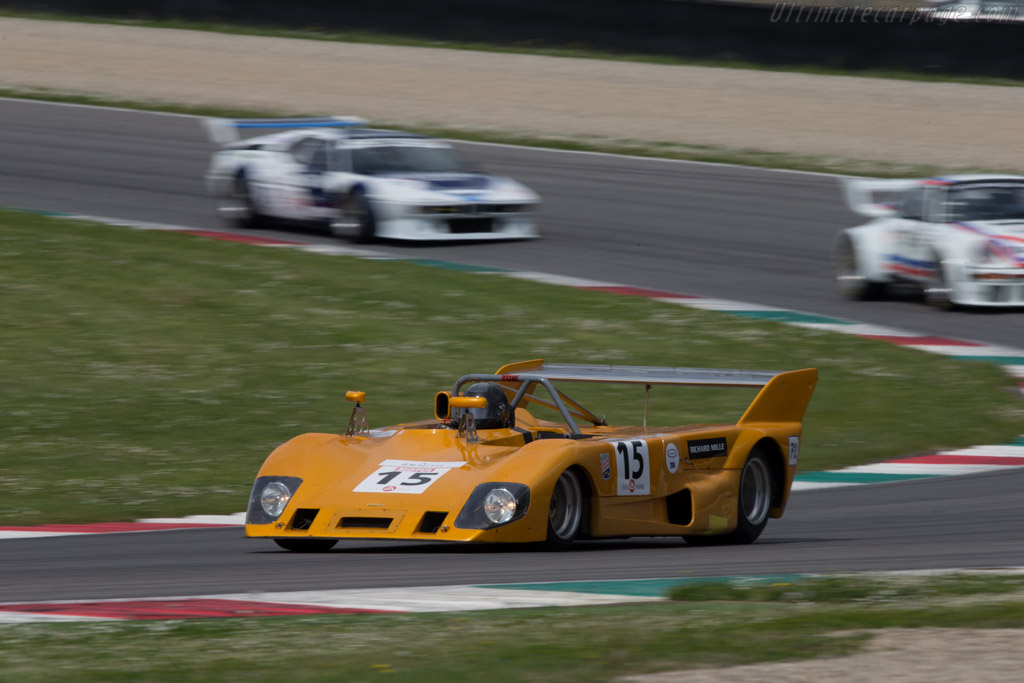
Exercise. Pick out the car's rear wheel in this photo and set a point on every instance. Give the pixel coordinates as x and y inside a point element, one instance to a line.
<point>239,209</point>
<point>753,503</point>
<point>306,545</point>
<point>565,511</point>
<point>850,280</point>
<point>755,499</point>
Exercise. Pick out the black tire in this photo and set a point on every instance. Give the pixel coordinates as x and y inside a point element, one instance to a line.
<point>565,512</point>
<point>239,209</point>
<point>753,503</point>
<point>306,545</point>
<point>850,282</point>
<point>359,209</point>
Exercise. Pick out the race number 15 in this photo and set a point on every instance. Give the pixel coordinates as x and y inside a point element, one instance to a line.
<point>633,464</point>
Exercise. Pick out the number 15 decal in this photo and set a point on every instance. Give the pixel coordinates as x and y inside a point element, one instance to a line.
<point>402,476</point>
<point>633,465</point>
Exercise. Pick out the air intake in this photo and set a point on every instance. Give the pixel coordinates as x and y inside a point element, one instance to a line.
<point>303,518</point>
<point>431,522</point>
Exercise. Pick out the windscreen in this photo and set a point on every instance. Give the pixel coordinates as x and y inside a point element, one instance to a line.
<point>402,156</point>
<point>985,202</point>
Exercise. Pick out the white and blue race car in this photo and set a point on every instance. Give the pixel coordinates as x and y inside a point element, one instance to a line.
<point>361,183</point>
<point>959,238</point>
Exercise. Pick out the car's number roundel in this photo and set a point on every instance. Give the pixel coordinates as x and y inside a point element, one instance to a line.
<point>401,476</point>
<point>633,468</point>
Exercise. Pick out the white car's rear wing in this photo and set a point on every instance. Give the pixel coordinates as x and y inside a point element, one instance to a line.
<point>874,197</point>
<point>227,131</point>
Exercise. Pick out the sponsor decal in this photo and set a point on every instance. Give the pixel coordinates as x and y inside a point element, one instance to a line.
<point>707,448</point>
<point>400,476</point>
<point>633,463</point>
<point>606,466</point>
<point>794,449</point>
<point>671,457</point>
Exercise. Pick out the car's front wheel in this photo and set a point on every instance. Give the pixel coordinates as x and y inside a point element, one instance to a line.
<point>937,291</point>
<point>356,218</point>
<point>306,545</point>
<point>565,511</point>
<point>850,280</point>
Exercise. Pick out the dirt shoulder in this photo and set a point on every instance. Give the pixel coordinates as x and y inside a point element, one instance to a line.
<point>950,125</point>
<point>925,655</point>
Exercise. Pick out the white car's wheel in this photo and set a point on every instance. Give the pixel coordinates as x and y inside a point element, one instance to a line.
<point>937,291</point>
<point>850,279</point>
<point>238,208</point>
<point>356,218</point>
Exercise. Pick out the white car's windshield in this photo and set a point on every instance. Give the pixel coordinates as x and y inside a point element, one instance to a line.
<point>998,201</point>
<point>405,158</point>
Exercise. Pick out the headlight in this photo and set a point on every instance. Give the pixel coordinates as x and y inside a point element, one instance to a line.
<point>274,498</point>
<point>494,504</point>
<point>500,506</point>
<point>269,498</point>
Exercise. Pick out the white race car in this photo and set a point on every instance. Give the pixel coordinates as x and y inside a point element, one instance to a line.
<point>960,238</point>
<point>360,182</point>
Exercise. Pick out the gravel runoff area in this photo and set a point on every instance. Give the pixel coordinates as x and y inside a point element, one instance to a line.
<point>949,125</point>
<point>943,124</point>
<point>924,655</point>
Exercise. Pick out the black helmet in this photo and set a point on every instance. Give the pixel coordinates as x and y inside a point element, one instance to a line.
<point>498,412</point>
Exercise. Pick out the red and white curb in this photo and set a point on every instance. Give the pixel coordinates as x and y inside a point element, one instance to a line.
<point>160,524</point>
<point>354,601</point>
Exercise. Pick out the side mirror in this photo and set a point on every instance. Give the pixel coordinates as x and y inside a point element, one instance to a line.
<point>441,409</point>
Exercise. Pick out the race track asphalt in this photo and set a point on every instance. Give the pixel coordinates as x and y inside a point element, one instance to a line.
<point>754,235</point>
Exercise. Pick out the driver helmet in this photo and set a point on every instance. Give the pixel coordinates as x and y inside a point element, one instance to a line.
<point>498,413</point>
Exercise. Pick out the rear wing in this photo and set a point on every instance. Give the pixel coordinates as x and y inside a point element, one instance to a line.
<point>227,131</point>
<point>784,396</point>
<point>876,197</point>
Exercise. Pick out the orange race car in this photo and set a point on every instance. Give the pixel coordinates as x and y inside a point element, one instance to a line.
<point>487,470</point>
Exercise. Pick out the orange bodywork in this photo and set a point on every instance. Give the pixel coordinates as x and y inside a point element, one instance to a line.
<point>414,481</point>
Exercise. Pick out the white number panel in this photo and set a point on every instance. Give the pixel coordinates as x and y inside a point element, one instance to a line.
<point>632,468</point>
<point>401,476</point>
<point>794,449</point>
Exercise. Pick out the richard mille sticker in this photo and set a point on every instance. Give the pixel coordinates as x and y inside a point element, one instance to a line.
<point>706,448</point>
<point>400,476</point>
<point>671,457</point>
<point>633,464</point>
<point>794,449</point>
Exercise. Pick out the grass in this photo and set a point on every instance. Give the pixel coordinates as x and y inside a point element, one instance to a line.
<point>567,644</point>
<point>149,373</point>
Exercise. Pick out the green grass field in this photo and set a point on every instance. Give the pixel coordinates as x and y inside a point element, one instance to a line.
<point>721,625</point>
<point>148,373</point>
